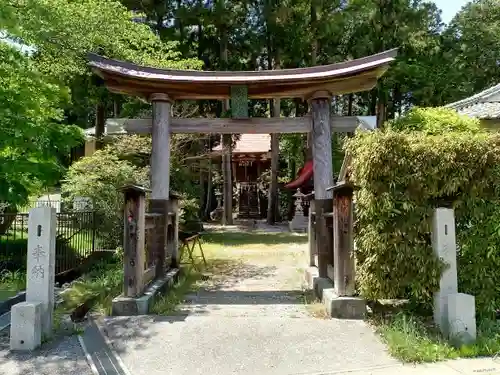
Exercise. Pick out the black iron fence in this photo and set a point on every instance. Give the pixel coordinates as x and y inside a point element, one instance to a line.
<point>77,237</point>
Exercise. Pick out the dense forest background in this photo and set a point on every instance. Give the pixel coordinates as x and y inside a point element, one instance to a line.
<point>45,79</point>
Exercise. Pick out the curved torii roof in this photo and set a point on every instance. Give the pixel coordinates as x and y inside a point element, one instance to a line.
<point>341,78</point>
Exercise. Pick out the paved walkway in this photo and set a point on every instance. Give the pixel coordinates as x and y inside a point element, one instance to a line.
<point>251,319</point>
<point>62,357</point>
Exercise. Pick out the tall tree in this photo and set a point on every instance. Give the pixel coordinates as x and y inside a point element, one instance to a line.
<point>32,138</point>
<point>62,32</point>
<point>472,44</point>
<point>273,62</point>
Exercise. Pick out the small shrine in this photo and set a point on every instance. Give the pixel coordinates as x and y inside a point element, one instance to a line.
<point>250,157</point>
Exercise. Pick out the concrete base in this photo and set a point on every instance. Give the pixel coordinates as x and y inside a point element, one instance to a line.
<point>26,326</point>
<point>129,306</point>
<point>337,307</point>
<point>461,319</point>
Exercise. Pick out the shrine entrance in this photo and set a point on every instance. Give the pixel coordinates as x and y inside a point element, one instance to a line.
<point>316,84</point>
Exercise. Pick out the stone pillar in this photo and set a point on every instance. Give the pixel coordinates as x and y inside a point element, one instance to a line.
<point>160,169</point>
<point>321,135</point>
<point>343,244</point>
<point>40,278</point>
<point>445,248</point>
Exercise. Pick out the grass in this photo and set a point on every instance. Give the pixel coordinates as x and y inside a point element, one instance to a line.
<point>252,240</point>
<point>188,282</point>
<point>103,282</point>
<point>11,283</point>
<point>412,338</point>
<point>314,306</point>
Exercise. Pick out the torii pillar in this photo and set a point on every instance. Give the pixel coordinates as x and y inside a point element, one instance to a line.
<point>321,136</point>
<point>160,173</point>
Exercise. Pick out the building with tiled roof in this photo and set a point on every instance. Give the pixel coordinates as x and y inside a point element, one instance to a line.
<point>484,106</point>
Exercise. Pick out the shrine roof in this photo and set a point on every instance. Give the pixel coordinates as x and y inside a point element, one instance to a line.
<point>250,143</point>
<point>340,78</point>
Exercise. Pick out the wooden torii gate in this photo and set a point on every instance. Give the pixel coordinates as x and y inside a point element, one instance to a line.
<point>316,84</point>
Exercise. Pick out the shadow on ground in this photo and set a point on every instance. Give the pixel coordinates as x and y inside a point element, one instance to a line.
<point>228,279</point>
<point>252,238</point>
<point>139,329</point>
<point>63,355</point>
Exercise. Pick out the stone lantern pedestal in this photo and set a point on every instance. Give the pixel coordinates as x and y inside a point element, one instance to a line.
<point>299,222</point>
<point>216,215</point>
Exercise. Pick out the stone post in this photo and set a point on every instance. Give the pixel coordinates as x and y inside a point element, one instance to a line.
<point>321,135</point>
<point>160,168</point>
<point>445,248</point>
<point>33,319</point>
<point>343,244</point>
<point>134,240</point>
<point>454,313</point>
<point>41,263</point>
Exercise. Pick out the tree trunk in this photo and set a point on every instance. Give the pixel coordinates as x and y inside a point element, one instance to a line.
<point>202,190</point>
<point>349,105</point>
<point>208,205</point>
<point>272,49</point>
<point>200,49</point>
<point>273,204</point>
<point>373,102</point>
<point>116,108</point>
<point>100,124</point>
<point>314,58</point>
<point>226,145</point>
<point>381,109</point>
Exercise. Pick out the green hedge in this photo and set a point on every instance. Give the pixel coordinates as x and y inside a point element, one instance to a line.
<point>402,177</point>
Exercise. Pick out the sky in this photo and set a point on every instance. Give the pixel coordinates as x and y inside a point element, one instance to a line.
<point>449,8</point>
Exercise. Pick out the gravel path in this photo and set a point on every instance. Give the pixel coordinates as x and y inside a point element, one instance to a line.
<point>253,283</point>
<point>60,357</point>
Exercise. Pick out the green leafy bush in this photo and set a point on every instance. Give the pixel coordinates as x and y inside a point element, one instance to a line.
<point>125,160</point>
<point>100,177</point>
<point>434,121</point>
<point>402,177</point>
